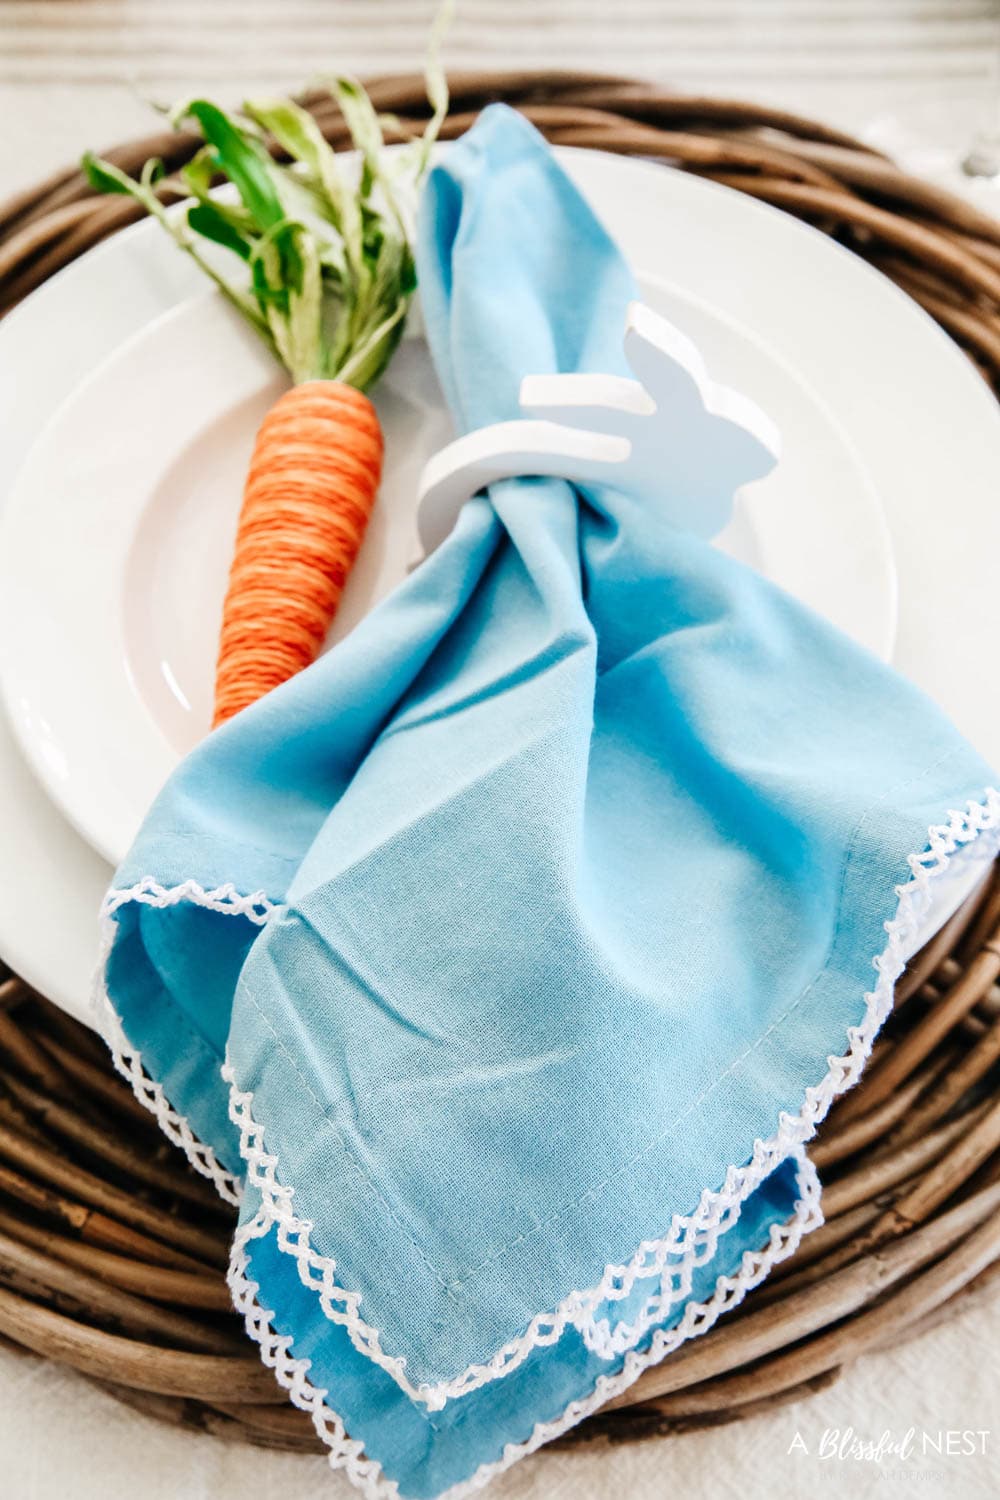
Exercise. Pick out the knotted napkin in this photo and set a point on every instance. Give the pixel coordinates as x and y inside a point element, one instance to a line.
<point>509,955</point>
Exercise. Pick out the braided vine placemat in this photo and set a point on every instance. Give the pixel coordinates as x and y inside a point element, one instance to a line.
<point>112,1252</point>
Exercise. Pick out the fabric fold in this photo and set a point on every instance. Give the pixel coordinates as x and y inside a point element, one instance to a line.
<point>514,950</point>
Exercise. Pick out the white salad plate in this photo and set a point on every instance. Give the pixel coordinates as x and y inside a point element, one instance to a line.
<point>117,536</point>
<point>922,423</point>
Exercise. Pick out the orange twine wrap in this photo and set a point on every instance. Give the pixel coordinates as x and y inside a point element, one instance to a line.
<point>310,489</point>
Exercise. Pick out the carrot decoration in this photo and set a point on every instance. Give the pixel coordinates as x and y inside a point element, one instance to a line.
<point>309,492</point>
<point>326,279</point>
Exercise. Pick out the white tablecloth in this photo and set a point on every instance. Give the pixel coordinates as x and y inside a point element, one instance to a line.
<point>75,72</point>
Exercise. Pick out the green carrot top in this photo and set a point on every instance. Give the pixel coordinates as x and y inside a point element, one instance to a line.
<point>328,270</point>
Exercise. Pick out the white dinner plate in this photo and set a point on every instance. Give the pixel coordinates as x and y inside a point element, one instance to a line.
<point>926,426</point>
<point>117,537</point>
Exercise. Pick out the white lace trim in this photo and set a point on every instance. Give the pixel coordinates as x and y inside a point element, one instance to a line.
<point>348,1453</point>
<point>695,1237</point>
<point>223,898</point>
<point>292,1374</point>
<point>690,1241</point>
<point>127,1059</point>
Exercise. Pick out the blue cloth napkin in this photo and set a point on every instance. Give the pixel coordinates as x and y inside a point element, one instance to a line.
<point>537,919</point>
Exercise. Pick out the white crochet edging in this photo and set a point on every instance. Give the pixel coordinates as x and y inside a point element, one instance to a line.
<point>292,1374</point>
<point>694,1239</point>
<point>127,1059</point>
<point>691,1240</point>
<point>348,1453</point>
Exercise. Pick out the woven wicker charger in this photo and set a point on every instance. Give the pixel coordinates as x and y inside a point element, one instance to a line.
<point>112,1251</point>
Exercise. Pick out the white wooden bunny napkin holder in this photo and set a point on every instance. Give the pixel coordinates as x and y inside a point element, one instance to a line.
<point>672,437</point>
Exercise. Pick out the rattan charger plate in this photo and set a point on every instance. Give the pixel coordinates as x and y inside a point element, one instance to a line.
<point>112,1251</point>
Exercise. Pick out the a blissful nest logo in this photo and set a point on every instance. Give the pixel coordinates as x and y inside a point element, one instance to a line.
<point>892,1450</point>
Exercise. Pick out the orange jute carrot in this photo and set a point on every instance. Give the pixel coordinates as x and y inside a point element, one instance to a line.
<point>309,493</point>
<point>327,277</point>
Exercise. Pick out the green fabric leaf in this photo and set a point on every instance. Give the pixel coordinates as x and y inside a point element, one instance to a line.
<point>244,161</point>
<point>296,131</point>
<point>207,220</point>
<point>105,178</point>
<point>199,172</point>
